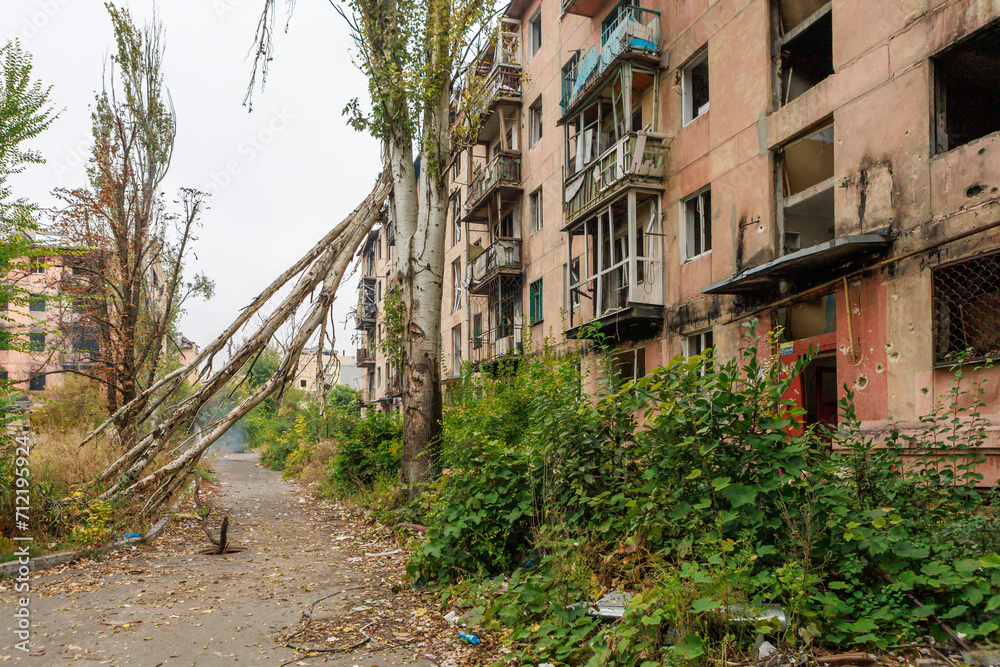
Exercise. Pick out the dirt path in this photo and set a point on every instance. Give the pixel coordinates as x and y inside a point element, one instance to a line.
<point>165,604</point>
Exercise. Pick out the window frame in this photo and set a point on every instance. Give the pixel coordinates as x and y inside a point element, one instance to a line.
<point>456,222</point>
<point>536,203</point>
<point>535,33</point>
<point>456,346</point>
<point>688,113</point>
<point>699,197</point>
<point>535,303</point>
<point>456,278</point>
<point>535,112</point>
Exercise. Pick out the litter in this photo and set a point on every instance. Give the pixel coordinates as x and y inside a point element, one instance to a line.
<point>746,614</point>
<point>472,639</point>
<point>384,553</point>
<point>451,617</point>
<point>611,605</point>
<point>766,650</point>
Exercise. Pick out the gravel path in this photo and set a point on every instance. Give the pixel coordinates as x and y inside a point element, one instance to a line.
<point>165,604</point>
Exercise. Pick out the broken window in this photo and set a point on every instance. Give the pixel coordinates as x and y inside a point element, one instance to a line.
<point>456,279</point>
<point>535,115</point>
<point>806,189</point>
<point>36,342</point>
<point>37,383</point>
<point>697,343</point>
<point>37,305</point>
<point>698,224</point>
<point>805,43</point>
<point>535,200</point>
<point>456,218</point>
<point>695,87</point>
<point>477,331</point>
<point>574,283</point>
<point>966,89</point>
<point>629,365</point>
<point>456,346</point>
<point>535,34</point>
<point>967,310</point>
<point>807,319</point>
<point>302,383</point>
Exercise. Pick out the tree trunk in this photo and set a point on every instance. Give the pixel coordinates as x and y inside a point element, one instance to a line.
<point>421,277</point>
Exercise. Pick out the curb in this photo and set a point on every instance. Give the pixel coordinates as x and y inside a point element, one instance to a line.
<point>13,568</point>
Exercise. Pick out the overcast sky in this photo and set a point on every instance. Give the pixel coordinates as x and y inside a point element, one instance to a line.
<point>280,176</point>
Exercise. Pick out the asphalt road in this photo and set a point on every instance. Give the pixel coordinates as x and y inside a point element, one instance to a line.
<point>166,604</point>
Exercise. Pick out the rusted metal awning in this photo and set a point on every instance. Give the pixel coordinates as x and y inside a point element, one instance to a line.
<point>824,260</point>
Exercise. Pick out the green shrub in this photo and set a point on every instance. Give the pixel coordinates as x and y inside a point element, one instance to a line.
<point>372,451</point>
<point>694,481</point>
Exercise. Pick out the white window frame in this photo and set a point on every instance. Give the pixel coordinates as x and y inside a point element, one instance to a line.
<point>689,113</point>
<point>535,33</point>
<point>456,214</point>
<point>696,198</point>
<point>698,339</point>
<point>535,123</point>
<point>456,347</point>
<point>536,204</point>
<point>456,274</point>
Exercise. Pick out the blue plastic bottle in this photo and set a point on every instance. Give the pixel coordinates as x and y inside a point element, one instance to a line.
<point>472,639</point>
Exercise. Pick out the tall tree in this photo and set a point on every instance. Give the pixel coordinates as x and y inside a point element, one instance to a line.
<point>412,53</point>
<point>127,287</point>
<point>24,114</point>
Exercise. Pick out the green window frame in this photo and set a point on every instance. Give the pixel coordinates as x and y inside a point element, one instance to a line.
<point>535,301</point>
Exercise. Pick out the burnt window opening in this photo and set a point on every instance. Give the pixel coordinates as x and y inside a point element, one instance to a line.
<point>695,88</point>
<point>966,89</point>
<point>806,191</point>
<point>805,46</point>
<point>807,319</point>
<point>967,310</point>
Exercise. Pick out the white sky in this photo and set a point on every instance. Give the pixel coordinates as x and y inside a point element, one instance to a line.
<point>280,177</point>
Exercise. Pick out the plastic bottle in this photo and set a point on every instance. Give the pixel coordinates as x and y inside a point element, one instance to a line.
<point>472,639</point>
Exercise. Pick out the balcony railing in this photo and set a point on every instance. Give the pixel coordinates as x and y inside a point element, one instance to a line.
<point>501,341</point>
<point>504,254</point>
<point>638,156</point>
<point>365,357</point>
<point>365,314</point>
<point>504,169</point>
<point>636,31</point>
<point>394,386</point>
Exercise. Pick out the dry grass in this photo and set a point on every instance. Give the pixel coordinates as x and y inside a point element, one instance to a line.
<point>312,466</point>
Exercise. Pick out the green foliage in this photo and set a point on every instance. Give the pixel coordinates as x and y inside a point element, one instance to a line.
<point>694,487</point>
<point>371,450</point>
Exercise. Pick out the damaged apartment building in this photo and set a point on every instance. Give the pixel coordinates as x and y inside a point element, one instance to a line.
<point>672,169</point>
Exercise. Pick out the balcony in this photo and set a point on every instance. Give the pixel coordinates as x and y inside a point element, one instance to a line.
<point>617,279</point>
<point>367,309</point>
<point>394,386</point>
<point>502,173</point>
<point>635,34</point>
<point>638,158</point>
<point>365,357</point>
<point>503,256</point>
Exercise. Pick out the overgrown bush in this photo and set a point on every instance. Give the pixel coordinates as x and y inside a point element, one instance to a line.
<point>370,452</point>
<point>694,487</point>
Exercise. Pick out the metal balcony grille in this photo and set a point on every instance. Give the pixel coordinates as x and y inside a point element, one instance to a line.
<point>967,310</point>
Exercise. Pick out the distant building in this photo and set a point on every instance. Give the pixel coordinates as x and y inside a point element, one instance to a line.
<point>337,369</point>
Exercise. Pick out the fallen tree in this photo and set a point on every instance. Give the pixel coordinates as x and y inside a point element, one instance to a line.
<point>319,273</point>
